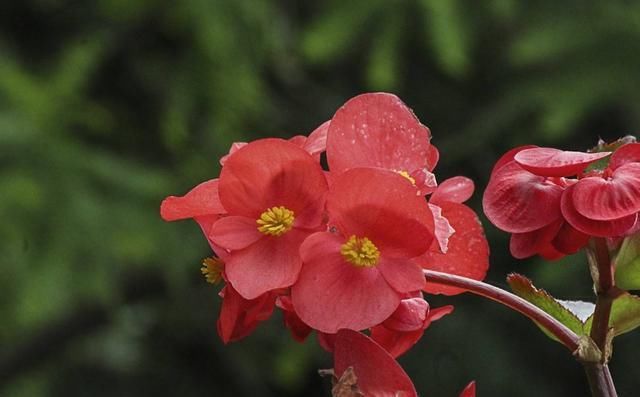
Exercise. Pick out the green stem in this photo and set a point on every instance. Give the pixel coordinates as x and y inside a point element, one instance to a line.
<point>559,330</point>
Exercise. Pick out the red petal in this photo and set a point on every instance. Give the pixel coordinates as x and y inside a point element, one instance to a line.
<point>409,316</point>
<point>273,172</point>
<point>239,316</point>
<point>469,391</point>
<point>569,240</point>
<point>200,201</point>
<point>402,275</point>
<point>553,162</point>
<point>611,228</point>
<point>377,372</point>
<point>234,232</point>
<point>443,229</point>
<point>268,264</point>
<point>316,143</point>
<point>518,201</point>
<point>382,206</point>
<point>234,148</point>
<point>396,343</point>
<point>457,189</point>
<point>612,198</point>
<point>299,330</point>
<point>629,153</point>
<point>329,290</point>
<point>468,253</point>
<point>524,245</point>
<point>378,130</point>
<point>508,157</point>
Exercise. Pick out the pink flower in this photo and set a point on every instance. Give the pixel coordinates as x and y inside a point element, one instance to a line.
<point>363,264</point>
<point>379,130</point>
<point>274,193</point>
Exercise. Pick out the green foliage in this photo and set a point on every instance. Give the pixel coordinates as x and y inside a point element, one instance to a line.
<point>627,263</point>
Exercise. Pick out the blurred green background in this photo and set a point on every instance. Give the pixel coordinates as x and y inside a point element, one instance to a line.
<point>108,106</point>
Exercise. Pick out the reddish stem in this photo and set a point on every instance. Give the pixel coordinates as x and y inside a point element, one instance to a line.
<point>559,330</point>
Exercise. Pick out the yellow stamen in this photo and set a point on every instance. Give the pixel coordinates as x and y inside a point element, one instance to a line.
<point>360,252</point>
<point>212,269</point>
<point>408,176</point>
<point>276,221</point>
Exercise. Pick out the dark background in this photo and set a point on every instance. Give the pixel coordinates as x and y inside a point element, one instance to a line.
<point>108,106</point>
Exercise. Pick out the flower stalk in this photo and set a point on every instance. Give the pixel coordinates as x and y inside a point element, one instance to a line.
<point>559,330</point>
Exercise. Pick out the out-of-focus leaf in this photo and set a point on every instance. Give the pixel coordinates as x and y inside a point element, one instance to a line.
<point>627,263</point>
<point>446,30</point>
<point>625,315</point>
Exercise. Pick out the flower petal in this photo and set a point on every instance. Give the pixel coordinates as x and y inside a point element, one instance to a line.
<point>569,240</point>
<point>396,343</point>
<point>268,264</point>
<point>378,130</point>
<point>524,245</point>
<point>239,316</point>
<point>409,316</point>
<point>518,201</point>
<point>629,153</point>
<point>316,143</point>
<point>234,232</point>
<point>508,157</point>
<point>612,198</point>
<point>457,189</point>
<point>378,374</point>
<point>611,228</point>
<point>330,290</point>
<point>273,172</point>
<point>382,206</point>
<point>402,275</point>
<point>469,391</point>
<point>554,162</point>
<point>442,230</point>
<point>200,201</point>
<point>468,253</point>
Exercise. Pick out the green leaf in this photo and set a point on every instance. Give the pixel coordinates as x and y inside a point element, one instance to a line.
<point>628,263</point>
<point>625,315</point>
<point>524,288</point>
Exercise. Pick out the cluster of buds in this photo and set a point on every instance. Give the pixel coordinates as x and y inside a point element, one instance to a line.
<point>339,249</point>
<point>554,201</point>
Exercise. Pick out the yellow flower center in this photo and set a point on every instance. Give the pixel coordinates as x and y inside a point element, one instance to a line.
<point>407,175</point>
<point>212,269</point>
<point>360,252</point>
<point>276,221</point>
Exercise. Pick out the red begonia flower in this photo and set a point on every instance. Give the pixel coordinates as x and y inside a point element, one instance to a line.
<point>407,324</point>
<point>629,153</point>
<point>468,250</point>
<point>363,264</point>
<point>469,391</point>
<point>299,330</point>
<point>239,316</point>
<point>379,130</point>
<point>377,373</point>
<point>274,194</point>
<point>554,162</point>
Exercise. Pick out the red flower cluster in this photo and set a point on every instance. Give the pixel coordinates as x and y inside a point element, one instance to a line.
<point>343,248</point>
<point>553,201</point>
